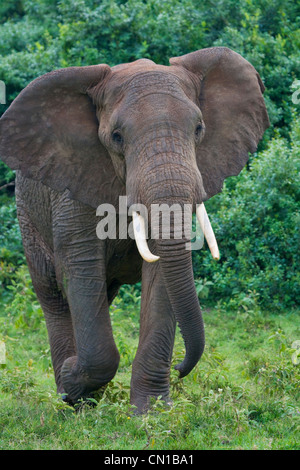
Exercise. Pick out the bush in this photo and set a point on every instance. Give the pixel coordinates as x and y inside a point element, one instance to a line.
<point>256,220</point>
<point>11,249</point>
<point>39,36</point>
<point>23,309</point>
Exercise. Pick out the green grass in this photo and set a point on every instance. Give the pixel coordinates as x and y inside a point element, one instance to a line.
<point>243,394</point>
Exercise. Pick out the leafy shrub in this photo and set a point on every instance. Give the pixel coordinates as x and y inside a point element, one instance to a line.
<point>11,249</point>
<point>36,37</point>
<point>256,219</point>
<point>24,308</point>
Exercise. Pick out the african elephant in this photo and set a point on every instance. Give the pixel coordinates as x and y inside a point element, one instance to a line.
<point>83,136</point>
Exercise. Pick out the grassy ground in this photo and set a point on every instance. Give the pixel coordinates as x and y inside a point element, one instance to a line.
<point>242,395</point>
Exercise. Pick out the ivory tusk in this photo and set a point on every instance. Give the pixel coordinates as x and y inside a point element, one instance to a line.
<point>207,230</point>
<point>140,238</point>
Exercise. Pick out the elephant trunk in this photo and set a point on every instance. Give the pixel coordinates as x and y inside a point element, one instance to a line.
<point>175,189</point>
<point>176,268</point>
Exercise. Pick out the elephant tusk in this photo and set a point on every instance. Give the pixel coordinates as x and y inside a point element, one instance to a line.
<point>140,238</point>
<point>207,230</point>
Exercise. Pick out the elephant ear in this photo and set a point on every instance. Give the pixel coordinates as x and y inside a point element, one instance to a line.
<point>233,109</point>
<point>50,133</point>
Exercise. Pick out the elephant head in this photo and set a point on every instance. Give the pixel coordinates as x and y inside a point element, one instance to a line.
<point>158,134</point>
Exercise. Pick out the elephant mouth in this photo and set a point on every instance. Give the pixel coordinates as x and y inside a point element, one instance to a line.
<point>141,236</point>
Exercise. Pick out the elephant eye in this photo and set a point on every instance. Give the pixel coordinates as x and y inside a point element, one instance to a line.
<point>199,132</point>
<point>117,137</point>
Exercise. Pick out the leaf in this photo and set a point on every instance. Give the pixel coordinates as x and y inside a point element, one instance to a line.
<point>296,354</point>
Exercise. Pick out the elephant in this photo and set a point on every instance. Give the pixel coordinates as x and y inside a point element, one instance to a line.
<point>80,137</point>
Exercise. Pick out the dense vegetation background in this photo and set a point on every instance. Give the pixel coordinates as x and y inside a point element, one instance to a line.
<point>256,220</point>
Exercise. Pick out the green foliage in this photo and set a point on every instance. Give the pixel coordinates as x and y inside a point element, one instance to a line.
<point>256,219</point>
<point>129,295</point>
<point>242,395</point>
<point>11,249</point>
<point>6,174</point>
<point>10,9</point>
<point>23,307</point>
<point>36,37</point>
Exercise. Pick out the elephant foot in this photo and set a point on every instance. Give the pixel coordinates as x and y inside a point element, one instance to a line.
<point>91,400</point>
<point>145,393</point>
<point>150,381</point>
<point>142,405</point>
<point>80,383</point>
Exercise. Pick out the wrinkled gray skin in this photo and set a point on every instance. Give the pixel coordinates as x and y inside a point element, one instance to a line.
<point>83,136</point>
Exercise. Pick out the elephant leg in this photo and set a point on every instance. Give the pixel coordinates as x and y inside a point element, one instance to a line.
<point>80,261</point>
<point>59,326</point>
<point>151,366</point>
<point>60,333</point>
<point>97,358</point>
<point>55,307</point>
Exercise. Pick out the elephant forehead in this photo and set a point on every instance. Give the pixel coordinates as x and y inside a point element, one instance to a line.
<point>148,83</point>
<point>135,86</point>
<point>153,78</point>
